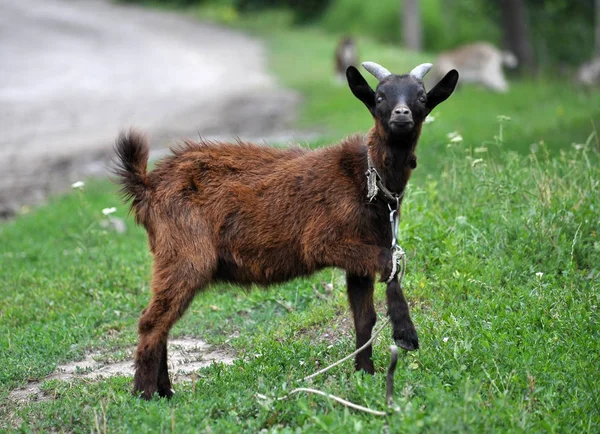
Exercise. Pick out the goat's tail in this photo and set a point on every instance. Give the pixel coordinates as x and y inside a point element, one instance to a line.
<point>132,152</point>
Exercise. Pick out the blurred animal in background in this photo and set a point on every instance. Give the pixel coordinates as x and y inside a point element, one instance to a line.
<point>478,63</point>
<point>588,74</point>
<point>346,55</point>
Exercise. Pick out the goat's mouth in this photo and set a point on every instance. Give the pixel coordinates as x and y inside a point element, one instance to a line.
<point>401,126</point>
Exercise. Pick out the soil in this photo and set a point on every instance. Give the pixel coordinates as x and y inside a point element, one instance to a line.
<point>186,356</point>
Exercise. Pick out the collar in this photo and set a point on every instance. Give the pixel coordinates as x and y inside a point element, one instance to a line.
<point>375,187</point>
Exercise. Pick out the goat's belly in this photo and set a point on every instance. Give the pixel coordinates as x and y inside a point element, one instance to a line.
<point>261,270</point>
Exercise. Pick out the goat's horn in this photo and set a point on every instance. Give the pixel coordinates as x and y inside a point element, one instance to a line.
<point>378,71</point>
<point>421,70</point>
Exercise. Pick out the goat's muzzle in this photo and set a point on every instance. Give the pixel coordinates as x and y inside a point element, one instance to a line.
<point>401,120</point>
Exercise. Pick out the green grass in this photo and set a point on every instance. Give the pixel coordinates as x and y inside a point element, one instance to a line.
<point>503,279</point>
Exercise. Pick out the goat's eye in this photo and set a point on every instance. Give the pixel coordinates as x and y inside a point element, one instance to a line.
<point>423,99</point>
<point>379,99</point>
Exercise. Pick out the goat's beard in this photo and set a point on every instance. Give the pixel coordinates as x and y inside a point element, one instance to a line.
<point>404,128</point>
<point>403,137</point>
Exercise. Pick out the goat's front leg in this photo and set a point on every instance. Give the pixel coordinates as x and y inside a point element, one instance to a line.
<point>360,295</point>
<point>404,332</point>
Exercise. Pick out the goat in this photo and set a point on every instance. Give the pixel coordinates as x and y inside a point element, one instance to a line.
<point>346,55</point>
<point>250,214</point>
<point>479,63</point>
<point>588,74</point>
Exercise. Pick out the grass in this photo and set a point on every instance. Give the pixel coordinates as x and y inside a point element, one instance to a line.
<point>504,283</point>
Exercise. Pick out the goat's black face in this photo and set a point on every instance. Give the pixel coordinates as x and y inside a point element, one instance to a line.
<point>400,102</point>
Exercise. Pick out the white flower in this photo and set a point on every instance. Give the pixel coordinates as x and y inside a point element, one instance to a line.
<point>480,150</point>
<point>445,339</point>
<point>78,184</point>
<point>476,162</point>
<point>454,137</point>
<point>539,274</point>
<point>108,211</point>
<point>461,220</point>
<point>429,119</point>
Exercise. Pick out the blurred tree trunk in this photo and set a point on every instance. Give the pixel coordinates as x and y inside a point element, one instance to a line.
<point>411,24</point>
<point>516,33</point>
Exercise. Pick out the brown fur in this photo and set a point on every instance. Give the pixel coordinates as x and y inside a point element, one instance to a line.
<point>250,214</point>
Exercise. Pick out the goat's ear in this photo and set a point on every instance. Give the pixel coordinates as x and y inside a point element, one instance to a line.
<point>360,88</point>
<point>442,90</point>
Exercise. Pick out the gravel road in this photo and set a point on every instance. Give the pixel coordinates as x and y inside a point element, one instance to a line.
<point>75,72</point>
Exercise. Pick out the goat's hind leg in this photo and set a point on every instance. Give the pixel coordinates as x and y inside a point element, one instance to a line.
<point>174,288</point>
<point>164,383</point>
<point>360,295</point>
<point>404,332</point>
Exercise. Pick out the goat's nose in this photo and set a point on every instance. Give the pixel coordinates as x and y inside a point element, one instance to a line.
<point>402,110</point>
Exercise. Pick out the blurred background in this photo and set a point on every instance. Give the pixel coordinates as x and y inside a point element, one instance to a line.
<point>544,34</point>
<point>75,72</point>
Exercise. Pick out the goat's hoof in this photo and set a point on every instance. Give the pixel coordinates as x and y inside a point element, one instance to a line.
<point>367,368</point>
<point>168,393</point>
<point>407,340</point>
<point>142,394</point>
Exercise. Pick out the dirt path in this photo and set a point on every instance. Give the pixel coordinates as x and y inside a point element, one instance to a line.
<point>186,356</point>
<point>73,73</point>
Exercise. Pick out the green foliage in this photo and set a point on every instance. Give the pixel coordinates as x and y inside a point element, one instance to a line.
<point>356,17</point>
<point>304,10</point>
<point>445,24</point>
<point>561,30</point>
<point>556,43</point>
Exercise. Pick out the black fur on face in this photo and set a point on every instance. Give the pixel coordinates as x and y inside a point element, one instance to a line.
<point>400,102</point>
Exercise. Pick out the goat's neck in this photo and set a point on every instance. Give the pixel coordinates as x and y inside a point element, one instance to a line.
<point>394,159</point>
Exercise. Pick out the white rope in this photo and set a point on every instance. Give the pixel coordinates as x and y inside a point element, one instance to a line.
<point>338,399</point>
<point>398,256</point>
<point>349,355</point>
<point>394,267</point>
<point>389,385</point>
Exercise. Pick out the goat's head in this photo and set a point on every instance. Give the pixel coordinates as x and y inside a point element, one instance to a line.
<point>400,103</point>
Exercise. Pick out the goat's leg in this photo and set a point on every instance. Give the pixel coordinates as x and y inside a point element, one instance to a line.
<point>360,295</point>
<point>404,332</point>
<point>172,295</point>
<point>164,383</point>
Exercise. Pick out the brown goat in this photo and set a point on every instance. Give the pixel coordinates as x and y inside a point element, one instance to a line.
<point>245,213</point>
<point>346,55</point>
